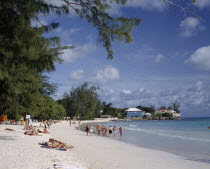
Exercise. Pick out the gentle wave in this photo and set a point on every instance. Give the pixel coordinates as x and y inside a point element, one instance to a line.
<point>163,134</point>
<point>133,125</point>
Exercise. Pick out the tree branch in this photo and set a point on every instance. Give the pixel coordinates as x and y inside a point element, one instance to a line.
<point>185,9</point>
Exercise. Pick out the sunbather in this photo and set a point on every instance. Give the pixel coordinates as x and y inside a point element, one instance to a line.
<point>32,132</point>
<point>52,143</point>
<point>44,131</point>
<point>9,129</point>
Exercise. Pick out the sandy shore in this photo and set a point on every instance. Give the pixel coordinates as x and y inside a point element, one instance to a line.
<point>90,152</point>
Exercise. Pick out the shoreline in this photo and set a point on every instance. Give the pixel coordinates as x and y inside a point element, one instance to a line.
<point>89,152</point>
<point>182,154</point>
<point>117,153</point>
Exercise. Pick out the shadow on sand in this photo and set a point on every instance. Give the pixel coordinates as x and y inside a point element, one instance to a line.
<point>7,138</point>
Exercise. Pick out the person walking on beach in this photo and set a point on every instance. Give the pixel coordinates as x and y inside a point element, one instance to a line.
<point>115,131</point>
<point>70,122</point>
<point>87,129</point>
<point>48,124</point>
<point>110,131</point>
<point>120,130</point>
<point>91,129</point>
<point>79,123</point>
<point>98,127</point>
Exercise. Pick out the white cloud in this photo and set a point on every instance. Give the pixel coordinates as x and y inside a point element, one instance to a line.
<point>200,58</point>
<point>55,2</point>
<point>141,89</point>
<point>107,74</point>
<point>159,58</point>
<point>147,4</point>
<point>66,34</point>
<point>144,4</point>
<point>42,21</point>
<point>111,91</point>
<point>78,74</point>
<point>71,55</point>
<point>202,3</point>
<point>190,26</point>
<point>126,91</point>
<point>199,85</point>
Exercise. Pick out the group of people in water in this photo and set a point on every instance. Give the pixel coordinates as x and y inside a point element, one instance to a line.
<point>103,130</point>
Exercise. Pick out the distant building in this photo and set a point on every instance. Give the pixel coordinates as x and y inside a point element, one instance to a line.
<point>134,112</point>
<point>146,114</point>
<point>174,113</point>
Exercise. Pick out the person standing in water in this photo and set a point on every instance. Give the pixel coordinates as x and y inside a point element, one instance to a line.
<point>115,131</point>
<point>102,129</point>
<point>110,131</point>
<point>120,130</point>
<point>87,129</point>
<point>98,127</point>
<point>105,131</point>
<point>91,129</point>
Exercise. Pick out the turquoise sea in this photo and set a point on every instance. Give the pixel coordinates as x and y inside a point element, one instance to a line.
<point>189,137</point>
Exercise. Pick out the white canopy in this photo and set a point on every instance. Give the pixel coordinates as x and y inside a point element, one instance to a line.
<point>133,109</point>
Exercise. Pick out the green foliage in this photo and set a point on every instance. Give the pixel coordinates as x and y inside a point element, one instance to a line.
<point>52,110</point>
<point>150,109</point>
<point>18,117</point>
<point>109,28</point>
<point>167,115</point>
<point>156,115</point>
<point>25,54</point>
<point>176,106</point>
<point>163,107</point>
<point>108,109</point>
<point>82,102</point>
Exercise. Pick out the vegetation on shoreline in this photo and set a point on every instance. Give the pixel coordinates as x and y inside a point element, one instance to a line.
<point>26,54</point>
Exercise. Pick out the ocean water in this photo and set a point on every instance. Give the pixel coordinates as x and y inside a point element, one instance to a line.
<point>189,137</point>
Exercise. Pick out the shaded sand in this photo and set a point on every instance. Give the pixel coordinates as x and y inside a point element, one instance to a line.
<point>105,153</point>
<point>19,151</point>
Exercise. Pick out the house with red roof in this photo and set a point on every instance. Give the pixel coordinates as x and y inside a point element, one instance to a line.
<point>174,113</point>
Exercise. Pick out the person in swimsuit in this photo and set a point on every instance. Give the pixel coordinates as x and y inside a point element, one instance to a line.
<point>120,130</point>
<point>91,129</point>
<point>102,129</point>
<point>110,131</point>
<point>105,131</point>
<point>87,129</point>
<point>98,127</point>
<point>115,131</point>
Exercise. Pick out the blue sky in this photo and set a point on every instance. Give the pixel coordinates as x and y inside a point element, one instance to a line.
<point>169,59</point>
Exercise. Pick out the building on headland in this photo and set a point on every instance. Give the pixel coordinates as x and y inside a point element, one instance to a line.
<point>134,112</point>
<point>174,113</point>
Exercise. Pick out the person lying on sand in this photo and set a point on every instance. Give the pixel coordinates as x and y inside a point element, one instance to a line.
<point>32,132</point>
<point>44,131</point>
<point>56,144</point>
<point>9,129</point>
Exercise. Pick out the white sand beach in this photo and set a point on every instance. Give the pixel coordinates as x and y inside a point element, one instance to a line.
<point>20,151</point>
